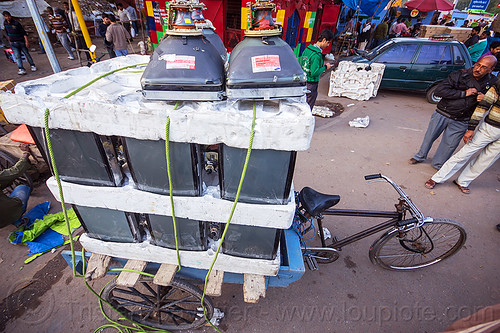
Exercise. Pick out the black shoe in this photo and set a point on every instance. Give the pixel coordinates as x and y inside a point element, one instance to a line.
<point>498,227</point>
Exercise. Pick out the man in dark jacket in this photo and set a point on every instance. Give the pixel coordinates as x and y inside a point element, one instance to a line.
<point>103,27</point>
<point>474,37</point>
<point>461,91</point>
<point>311,62</point>
<point>12,207</point>
<point>18,42</point>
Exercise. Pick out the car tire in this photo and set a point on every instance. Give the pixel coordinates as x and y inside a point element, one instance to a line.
<point>431,95</point>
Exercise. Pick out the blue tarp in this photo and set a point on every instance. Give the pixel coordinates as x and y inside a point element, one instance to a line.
<point>368,7</point>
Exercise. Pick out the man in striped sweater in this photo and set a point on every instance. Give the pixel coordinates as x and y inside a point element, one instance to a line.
<point>486,140</point>
<point>59,27</point>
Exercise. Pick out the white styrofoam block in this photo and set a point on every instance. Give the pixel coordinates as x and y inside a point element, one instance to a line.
<point>353,80</point>
<point>204,208</point>
<point>197,259</point>
<point>114,105</point>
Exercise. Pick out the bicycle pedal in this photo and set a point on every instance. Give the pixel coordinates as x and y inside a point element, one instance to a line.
<point>311,262</point>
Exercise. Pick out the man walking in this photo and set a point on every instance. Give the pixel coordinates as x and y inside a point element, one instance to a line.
<point>59,28</point>
<point>486,140</point>
<point>311,62</point>
<point>18,42</point>
<point>460,91</point>
<point>117,35</point>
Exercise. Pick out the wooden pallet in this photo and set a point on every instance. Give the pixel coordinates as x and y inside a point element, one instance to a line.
<point>254,285</point>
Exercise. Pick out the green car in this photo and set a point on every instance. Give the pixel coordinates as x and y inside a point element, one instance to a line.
<point>416,64</point>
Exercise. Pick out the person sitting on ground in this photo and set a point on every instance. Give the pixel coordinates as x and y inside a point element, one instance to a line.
<point>461,91</point>
<point>477,49</point>
<point>14,206</point>
<point>311,62</point>
<point>117,35</point>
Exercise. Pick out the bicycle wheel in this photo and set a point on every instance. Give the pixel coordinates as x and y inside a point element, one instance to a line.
<point>7,161</point>
<point>418,247</point>
<point>173,307</point>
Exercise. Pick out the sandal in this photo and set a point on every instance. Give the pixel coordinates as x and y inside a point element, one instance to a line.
<point>430,184</point>
<point>464,189</point>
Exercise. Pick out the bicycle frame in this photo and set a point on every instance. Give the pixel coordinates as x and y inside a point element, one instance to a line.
<point>393,216</point>
<point>405,204</point>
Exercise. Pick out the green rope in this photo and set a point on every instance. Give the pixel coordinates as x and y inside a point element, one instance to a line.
<point>113,324</point>
<point>167,153</point>
<point>247,159</point>
<point>53,162</point>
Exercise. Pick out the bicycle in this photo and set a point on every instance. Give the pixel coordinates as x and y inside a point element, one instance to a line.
<point>410,243</point>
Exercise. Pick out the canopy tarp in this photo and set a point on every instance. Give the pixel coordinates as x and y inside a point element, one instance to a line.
<point>368,7</point>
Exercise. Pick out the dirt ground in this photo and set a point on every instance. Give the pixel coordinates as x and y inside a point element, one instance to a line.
<point>349,295</point>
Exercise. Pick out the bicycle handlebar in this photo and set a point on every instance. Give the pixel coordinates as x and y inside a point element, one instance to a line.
<point>415,212</point>
<point>374,176</point>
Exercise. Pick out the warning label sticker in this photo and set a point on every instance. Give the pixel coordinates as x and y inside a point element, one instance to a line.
<point>175,61</point>
<point>266,63</point>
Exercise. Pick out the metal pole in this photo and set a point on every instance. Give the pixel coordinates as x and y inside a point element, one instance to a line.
<point>83,27</point>
<point>43,35</point>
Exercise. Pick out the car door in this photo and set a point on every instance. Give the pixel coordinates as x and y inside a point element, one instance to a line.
<point>397,60</point>
<point>433,64</point>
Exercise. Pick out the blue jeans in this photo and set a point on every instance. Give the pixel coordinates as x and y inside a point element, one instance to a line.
<point>17,47</point>
<point>121,52</point>
<point>453,131</point>
<point>22,192</point>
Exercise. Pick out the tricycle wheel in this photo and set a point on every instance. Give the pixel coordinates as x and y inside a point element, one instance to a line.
<point>8,161</point>
<point>173,307</point>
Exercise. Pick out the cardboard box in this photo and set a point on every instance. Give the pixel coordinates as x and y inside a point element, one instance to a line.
<point>6,86</point>
<point>460,34</point>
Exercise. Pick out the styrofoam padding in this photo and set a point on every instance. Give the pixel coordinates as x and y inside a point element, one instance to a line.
<point>145,251</point>
<point>114,105</point>
<point>205,208</point>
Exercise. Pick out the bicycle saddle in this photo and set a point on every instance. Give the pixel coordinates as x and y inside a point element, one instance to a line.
<point>315,203</point>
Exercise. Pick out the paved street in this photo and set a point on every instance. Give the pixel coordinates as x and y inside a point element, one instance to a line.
<point>349,295</point>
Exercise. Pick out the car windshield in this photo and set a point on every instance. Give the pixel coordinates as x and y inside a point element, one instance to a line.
<point>376,51</point>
